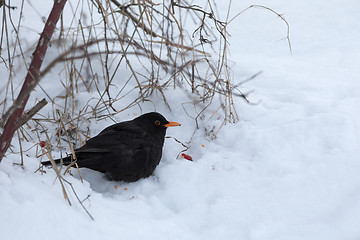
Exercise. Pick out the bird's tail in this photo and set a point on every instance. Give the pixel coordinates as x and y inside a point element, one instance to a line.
<point>65,161</point>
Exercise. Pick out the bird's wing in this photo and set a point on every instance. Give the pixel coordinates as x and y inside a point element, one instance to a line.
<point>117,137</point>
<point>123,151</point>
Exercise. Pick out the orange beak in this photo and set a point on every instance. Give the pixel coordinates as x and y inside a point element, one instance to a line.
<point>172,124</point>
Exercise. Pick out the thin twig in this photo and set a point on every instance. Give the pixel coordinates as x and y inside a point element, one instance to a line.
<point>273,11</point>
<point>29,114</point>
<point>77,197</point>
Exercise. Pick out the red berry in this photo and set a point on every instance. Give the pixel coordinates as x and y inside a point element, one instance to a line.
<point>42,144</point>
<point>187,157</point>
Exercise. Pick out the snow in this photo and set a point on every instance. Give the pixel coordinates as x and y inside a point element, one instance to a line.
<point>289,169</point>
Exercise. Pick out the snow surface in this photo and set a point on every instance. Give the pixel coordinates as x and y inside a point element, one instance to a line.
<point>289,169</point>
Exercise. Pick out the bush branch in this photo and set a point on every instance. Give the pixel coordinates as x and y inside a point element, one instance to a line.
<point>13,115</point>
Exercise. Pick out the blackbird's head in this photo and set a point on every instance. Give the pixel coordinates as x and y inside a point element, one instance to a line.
<point>155,124</point>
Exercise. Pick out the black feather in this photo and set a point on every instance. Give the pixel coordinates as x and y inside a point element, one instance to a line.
<point>125,151</point>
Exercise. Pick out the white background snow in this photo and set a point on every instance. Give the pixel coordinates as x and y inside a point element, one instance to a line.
<point>289,169</point>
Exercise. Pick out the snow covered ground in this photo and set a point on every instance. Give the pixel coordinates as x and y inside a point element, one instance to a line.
<point>289,169</point>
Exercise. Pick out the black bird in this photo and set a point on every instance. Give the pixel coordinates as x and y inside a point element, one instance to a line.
<point>126,151</point>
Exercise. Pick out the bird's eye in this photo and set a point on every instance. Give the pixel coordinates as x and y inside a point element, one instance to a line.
<point>157,122</point>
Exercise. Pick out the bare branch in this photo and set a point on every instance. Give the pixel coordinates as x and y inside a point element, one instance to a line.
<point>13,115</point>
